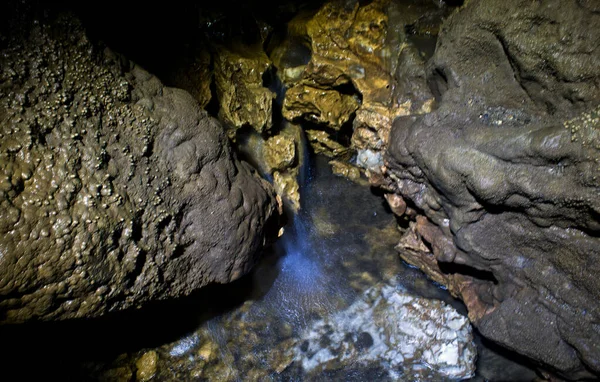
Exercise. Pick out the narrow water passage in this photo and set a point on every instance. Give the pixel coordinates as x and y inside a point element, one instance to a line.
<point>325,275</point>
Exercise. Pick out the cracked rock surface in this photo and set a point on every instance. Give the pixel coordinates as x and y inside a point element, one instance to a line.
<point>407,335</point>
<point>114,190</point>
<point>506,171</point>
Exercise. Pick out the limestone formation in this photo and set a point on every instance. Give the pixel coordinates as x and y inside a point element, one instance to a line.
<point>114,190</point>
<point>243,100</point>
<point>358,52</point>
<point>280,153</point>
<point>327,107</point>
<point>505,172</point>
<point>345,169</point>
<point>322,143</point>
<point>146,366</point>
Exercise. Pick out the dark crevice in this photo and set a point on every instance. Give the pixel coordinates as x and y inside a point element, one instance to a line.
<point>136,230</point>
<point>179,251</point>
<point>438,83</point>
<point>163,224</point>
<point>463,269</point>
<point>513,64</point>
<point>140,261</point>
<point>212,108</point>
<point>454,3</point>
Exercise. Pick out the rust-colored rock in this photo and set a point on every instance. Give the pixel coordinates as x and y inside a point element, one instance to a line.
<point>361,49</point>
<point>396,203</point>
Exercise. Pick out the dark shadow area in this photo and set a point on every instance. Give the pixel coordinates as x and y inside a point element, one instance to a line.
<point>463,269</point>
<point>493,358</point>
<point>59,350</point>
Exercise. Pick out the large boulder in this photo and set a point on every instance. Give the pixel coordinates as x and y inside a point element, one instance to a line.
<point>506,171</point>
<point>114,190</point>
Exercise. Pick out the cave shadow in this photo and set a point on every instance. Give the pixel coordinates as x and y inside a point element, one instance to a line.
<point>60,350</point>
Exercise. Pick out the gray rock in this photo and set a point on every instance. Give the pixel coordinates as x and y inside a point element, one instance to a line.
<point>114,190</point>
<point>507,169</point>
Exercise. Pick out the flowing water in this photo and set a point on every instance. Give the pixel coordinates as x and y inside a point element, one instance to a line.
<point>319,288</point>
<point>340,245</point>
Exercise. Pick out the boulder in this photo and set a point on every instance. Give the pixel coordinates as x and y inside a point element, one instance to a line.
<point>505,173</point>
<point>114,190</point>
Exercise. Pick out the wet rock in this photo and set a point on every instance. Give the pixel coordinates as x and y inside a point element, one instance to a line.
<point>358,52</point>
<point>146,366</point>
<point>327,107</point>
<point>280,153</point>
<point>406,335</point>
<point>242,98</point>
<point>506,172</point>
<point>115,190</point>
<point>286,184</point>
<point>346,170</point>
<point>322,143</point>
<point>207,351</point>
<point>291,51</point>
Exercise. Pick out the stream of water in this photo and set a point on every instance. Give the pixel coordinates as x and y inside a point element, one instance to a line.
<point>311,288</point>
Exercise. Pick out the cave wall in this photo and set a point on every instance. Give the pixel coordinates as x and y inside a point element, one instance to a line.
<point>506,172</point>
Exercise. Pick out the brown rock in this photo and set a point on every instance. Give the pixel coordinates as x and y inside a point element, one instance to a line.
<point>286,184</point>
<point>345,169</point>
<point>114,189</point>
<point>323,144</point>
<point>396,203</point>
<point>506,171</point>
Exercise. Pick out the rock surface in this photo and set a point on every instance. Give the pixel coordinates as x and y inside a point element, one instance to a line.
<point>362,71</point>
<point>114,190</point>
<point>243,100</point>
<point>327,107</point>
<point>506,172</point>
<point>406,335</point>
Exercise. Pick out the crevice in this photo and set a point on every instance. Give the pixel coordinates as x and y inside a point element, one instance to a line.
<point>212,108</point>
<point>136,230</point>
<point>438,83</point>
<point>463,269</point>
<point>140,261</point>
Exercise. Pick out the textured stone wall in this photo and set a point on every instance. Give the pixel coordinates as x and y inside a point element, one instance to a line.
<point>114,190</point>
<point>506,171</point>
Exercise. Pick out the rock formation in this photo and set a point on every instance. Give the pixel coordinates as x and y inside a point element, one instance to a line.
<point>406,335</point>
<point>114,190</point>
<point>239,81</point>
<point>506,175</point>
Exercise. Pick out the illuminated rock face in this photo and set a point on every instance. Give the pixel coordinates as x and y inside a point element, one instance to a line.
<point>405,335</point>
<point>114,190</point>
<point>505,172</point>
<point>243,100</point>
<point>361,74</point>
